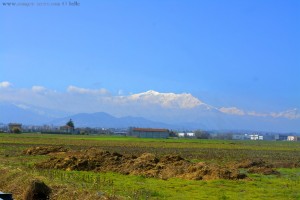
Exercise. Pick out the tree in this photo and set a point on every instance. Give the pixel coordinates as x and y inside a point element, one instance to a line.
<point>202,134</point>
<point>16,130</point>
<point>70,123</point>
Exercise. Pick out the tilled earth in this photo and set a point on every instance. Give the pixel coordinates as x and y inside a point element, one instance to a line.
<point>147,164</point>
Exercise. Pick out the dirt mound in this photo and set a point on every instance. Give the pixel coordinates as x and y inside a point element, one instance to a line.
<point>258,167</point>
<point>171,158</point>
<point>253,163</point>
<point>147,165</point>
<point>150,166</point>
<point>44,150</point>
<point>263,170</point>
<point>37,190</point>
<point>201,171</point>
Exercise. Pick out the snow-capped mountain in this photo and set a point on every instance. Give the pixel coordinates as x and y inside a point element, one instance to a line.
<point>149,108</point>
<point>169,100</point>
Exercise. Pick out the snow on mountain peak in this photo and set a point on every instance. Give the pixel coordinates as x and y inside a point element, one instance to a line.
<point>167,100</point>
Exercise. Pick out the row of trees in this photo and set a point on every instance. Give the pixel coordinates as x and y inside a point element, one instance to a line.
<point>200,134</point>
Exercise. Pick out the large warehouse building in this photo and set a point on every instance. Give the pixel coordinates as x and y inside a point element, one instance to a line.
<point>149,133</point>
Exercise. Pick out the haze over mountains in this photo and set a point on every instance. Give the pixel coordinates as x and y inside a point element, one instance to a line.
<point>99,108</point>
<point>104,120</point>
<point>32,116</point>
<point>204,117</point>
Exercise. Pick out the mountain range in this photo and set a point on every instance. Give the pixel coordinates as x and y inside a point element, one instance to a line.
<point>31,116</point>
<point>104,120</point>
<point>202,119</point>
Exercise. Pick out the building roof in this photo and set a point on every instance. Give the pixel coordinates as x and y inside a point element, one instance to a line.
<point>150,129</point>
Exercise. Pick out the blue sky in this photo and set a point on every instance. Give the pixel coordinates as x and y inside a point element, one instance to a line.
<point>243,54</point>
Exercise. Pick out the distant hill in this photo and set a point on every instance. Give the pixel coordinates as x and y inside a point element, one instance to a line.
<point>29,115</point>
<point>104,120</point>
<point>13,113</point>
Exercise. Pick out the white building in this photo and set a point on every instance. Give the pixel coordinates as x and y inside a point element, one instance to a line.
<point>190,134</point>
<point>292,138</point>
<point>256,137</point>
<point>186,134</point>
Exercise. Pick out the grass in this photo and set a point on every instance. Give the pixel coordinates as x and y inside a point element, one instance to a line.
<point>17,169</point>
<point>137,187</point>
<point>235,144</point>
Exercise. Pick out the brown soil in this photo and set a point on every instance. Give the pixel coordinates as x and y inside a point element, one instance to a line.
<point>37,190</point>
<point>253,163</point>
<point>147,165</point>
<point>258,167</point>
<point>263,170</point>
<point>287,164</point>
<point>44,150</point>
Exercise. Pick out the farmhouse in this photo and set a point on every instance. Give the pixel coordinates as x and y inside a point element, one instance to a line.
<point>15,127</point>
<point>149,133</point>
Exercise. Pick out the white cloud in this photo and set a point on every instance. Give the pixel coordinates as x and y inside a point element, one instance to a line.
<point>289,114</point>
<point>74,89</point>
<point>25,107</point>
<point>256,114</point>
<point>38,89</point>
<point>232,111</point>
<point>5,84</point>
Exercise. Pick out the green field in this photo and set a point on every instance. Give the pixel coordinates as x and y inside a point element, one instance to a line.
<point>18,169</point>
